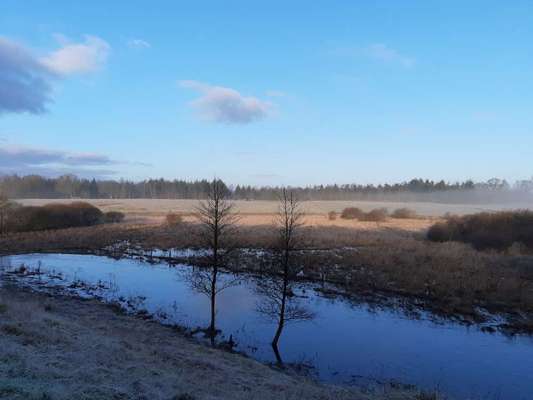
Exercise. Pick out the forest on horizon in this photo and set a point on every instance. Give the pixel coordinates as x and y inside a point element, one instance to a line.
<point>70,186</point>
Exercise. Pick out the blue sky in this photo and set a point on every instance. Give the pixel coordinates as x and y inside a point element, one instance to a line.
<point>266,93</point>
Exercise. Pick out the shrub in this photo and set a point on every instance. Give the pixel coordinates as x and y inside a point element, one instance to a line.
<point>111,217</point>
<point>173,219</point>
<point>352,213</point>
<point>332,215</point>
<point>53,216</point>
<point>498,230</point>
<point>376,215</point>
<point>404,213</point>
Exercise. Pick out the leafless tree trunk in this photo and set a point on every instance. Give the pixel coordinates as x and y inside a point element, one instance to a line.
<point>4,206</point>
<point>277,291</point>
<point>217,218</point>
<point>289,221</point>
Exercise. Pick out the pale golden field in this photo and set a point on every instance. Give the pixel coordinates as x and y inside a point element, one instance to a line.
<point>261,212</point>
<point>254,213</point>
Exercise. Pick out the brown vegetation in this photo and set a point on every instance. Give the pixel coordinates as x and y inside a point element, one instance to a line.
<point>52,216</point>
<point>404,213</point>
<point>375,215</point>
<point>360,258</point>
<point>486,230</point>
<point>332,215</point>
<point>352,213</point>
<point>173,219</point>
<point>113,217</point>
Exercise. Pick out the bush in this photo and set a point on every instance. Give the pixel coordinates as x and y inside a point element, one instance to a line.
<point>352,213</point>
<point>332,215</point>
<point>376,215</point>
<point>498,230</point>
<point>112,217</point>
<point>173,219</point>
<point>404,213</point>
<point>53,216</point>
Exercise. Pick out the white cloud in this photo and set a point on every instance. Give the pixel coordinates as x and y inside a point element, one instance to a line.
<point>78,58</point>
<point>138,44</point>
<point>382,52</point>
<point>226,105</point>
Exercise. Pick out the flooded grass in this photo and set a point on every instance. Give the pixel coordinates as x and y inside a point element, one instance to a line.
<point>451,278</point>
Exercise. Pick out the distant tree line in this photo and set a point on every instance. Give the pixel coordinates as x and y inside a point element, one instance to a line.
<point>69,186</point>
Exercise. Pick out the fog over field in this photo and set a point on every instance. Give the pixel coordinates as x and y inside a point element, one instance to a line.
<point>157,207</point>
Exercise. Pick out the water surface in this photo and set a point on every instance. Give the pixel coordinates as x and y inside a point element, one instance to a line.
<point>346,342</point>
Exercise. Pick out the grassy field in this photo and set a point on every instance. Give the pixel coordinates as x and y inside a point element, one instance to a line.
<point>391,257</point>
<point>452,279</point>
<point>160,207</point>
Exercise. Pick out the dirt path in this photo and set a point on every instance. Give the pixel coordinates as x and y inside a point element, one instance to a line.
<point>64,348</point>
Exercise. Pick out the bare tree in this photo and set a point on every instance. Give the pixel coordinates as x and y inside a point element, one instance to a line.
<point>217,218</point>
<point>5,205</point>
<point>279,303</point>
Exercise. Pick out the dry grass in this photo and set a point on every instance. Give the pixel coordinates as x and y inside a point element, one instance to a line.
<point>362,257</point>
<point>65,348</point>
<point>145,208</point>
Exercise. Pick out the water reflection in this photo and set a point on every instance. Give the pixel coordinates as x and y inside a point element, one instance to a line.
<point>206,282</point>
<point>280,304</point>
<point>346,341</point>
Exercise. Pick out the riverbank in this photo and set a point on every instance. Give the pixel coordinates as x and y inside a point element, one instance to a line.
<point>55,347</point>
<point>450,279</point>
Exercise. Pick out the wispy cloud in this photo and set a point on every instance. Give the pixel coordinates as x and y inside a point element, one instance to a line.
<point>77,58</point>
<point>382,52</point>
<point>226,105</point>
<point>17,156</point>
<point>138,44</point>
<point>25,160</point>
<point>26,80</point>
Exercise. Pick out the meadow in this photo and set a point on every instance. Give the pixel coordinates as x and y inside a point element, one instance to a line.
<point>155,209</point>
<point>391,257</point>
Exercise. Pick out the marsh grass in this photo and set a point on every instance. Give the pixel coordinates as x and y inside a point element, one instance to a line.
<point>361,258</point>
<point>498,230</point>
<point>375,215</point>
<point>404,213</point>
<point>173,219</point>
